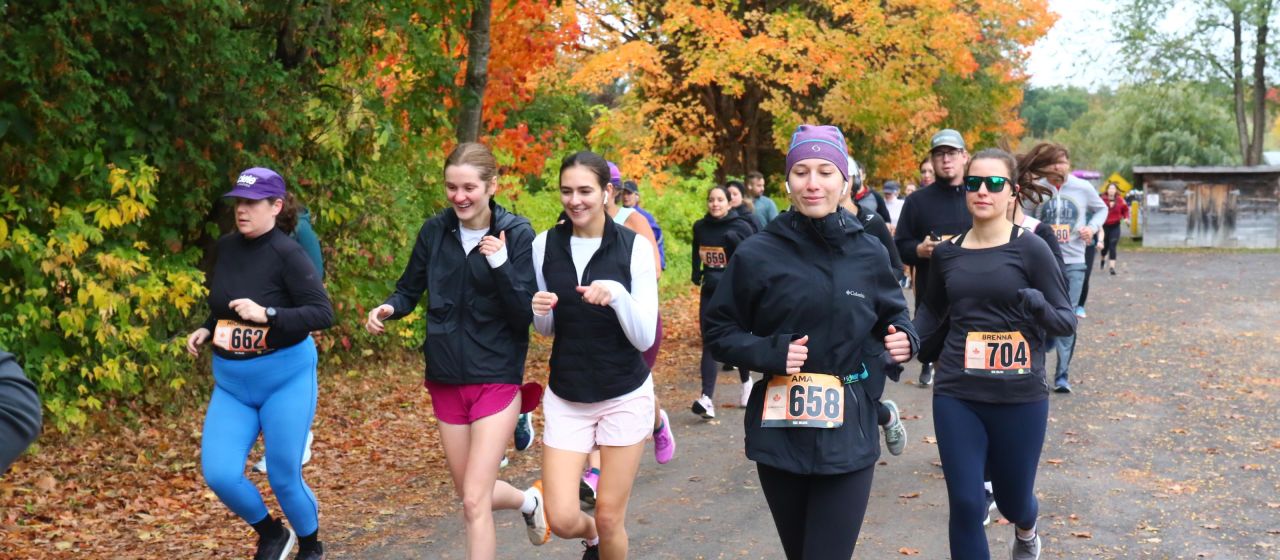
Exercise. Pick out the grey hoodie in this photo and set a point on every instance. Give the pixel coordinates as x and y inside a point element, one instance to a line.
<point>1075,205</point>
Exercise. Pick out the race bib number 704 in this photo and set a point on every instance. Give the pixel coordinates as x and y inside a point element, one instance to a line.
<point>997,353</point>
<point>803,400</point>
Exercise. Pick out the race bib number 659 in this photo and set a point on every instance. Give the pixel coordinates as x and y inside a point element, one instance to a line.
<point>803,400</point>
<point>713,257</point>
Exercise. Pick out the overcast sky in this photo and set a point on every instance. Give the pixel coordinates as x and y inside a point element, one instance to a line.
<point>1078,50</point>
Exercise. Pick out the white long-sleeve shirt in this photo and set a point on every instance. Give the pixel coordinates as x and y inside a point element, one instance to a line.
<point>637,310</point>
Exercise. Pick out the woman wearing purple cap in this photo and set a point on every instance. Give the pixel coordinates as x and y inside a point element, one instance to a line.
<point>265,299</point>
<point>472,260</point>
<point>798,302</point>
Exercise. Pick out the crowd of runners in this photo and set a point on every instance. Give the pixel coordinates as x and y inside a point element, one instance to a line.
<point>993,247</point>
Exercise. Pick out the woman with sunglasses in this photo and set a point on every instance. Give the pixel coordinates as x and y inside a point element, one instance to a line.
<point>999,293</point>
<point>799,302</point>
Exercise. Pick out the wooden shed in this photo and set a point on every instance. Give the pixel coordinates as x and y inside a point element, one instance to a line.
<point>1237,207</point>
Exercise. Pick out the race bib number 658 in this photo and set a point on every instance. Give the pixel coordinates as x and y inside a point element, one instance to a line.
<point>803,400</point>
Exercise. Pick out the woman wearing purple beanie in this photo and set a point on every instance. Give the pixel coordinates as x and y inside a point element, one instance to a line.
<point>797,302</point>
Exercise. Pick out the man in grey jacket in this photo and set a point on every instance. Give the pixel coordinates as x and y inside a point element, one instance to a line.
<point>19,411</point>
<point>1076,213</point>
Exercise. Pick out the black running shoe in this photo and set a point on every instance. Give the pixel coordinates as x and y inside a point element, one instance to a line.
<point>316,553</point>
<point>278,545</point>
<point>926,375</point>
<point>591,552</point>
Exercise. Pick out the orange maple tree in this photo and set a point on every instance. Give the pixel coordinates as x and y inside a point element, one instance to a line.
<point>733,79</point>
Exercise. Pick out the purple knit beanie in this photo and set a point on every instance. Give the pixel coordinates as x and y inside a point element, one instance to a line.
<point>819,141</point>
<point>615,175</point>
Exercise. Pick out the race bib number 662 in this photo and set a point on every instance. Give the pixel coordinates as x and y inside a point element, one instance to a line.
<point>803,400</point>
<point>241,338</point>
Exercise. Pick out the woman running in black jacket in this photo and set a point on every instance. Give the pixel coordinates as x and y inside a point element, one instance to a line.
<point>1000,292</point>
<point>265,299</point>
<point>473,262</point>
<point>715,237</point>
<point>798,302</point>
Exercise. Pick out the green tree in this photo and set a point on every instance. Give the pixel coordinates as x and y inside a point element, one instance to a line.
<point>1217,47</point>
<point>1152,124</point>
<point>121,124</point>
<point>1048,110</point>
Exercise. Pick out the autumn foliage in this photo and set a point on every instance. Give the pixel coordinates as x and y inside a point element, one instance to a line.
<point>734,78</point>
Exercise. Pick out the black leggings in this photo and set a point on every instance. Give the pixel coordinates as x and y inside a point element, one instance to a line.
<point>708,366</point>
<point>1007,439</point>
<point>818,516</point>
<point>1111,240</point>
<point>1090,251</point>
<point>710,371</point>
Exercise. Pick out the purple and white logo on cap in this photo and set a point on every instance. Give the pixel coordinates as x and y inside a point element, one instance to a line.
<point>257,183</point>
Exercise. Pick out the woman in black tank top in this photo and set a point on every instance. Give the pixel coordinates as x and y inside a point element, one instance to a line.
<point>999,294</point>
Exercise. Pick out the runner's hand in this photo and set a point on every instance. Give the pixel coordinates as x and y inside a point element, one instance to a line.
<point>898,345</point>
<point>1086,233</point>
<point>544,302</point>
<point>248,310</point>
<point>490,245</point>
<point>596,294</point>
<point>925,249</point>
<point>797,353</point>
<point>373,323</point>
<point>196,339</point>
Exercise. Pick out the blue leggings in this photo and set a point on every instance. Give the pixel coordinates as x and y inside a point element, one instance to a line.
<point>1007,439</point>
<point>274,395</point>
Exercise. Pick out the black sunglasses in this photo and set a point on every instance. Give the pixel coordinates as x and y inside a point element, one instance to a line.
<point>994,184</point>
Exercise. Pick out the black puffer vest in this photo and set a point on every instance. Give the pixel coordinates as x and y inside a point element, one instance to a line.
<point>591,358</point>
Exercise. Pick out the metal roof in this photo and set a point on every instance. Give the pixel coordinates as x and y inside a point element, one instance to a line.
<point>1187,170</point>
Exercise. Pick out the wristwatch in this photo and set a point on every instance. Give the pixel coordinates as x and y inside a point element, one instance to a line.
<point>271,315</point>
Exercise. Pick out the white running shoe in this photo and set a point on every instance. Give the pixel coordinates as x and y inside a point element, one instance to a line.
<point>746,391</point>
<point>704,407</point>
<point>536,522</point>
<point>261,465</point>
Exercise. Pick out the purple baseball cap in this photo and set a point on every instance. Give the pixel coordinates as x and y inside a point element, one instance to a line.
<point>257,183</point>
<point>819,141</point>
<point>615,175</point>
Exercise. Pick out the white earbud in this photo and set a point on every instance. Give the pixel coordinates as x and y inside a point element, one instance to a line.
<point>788,185</point>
